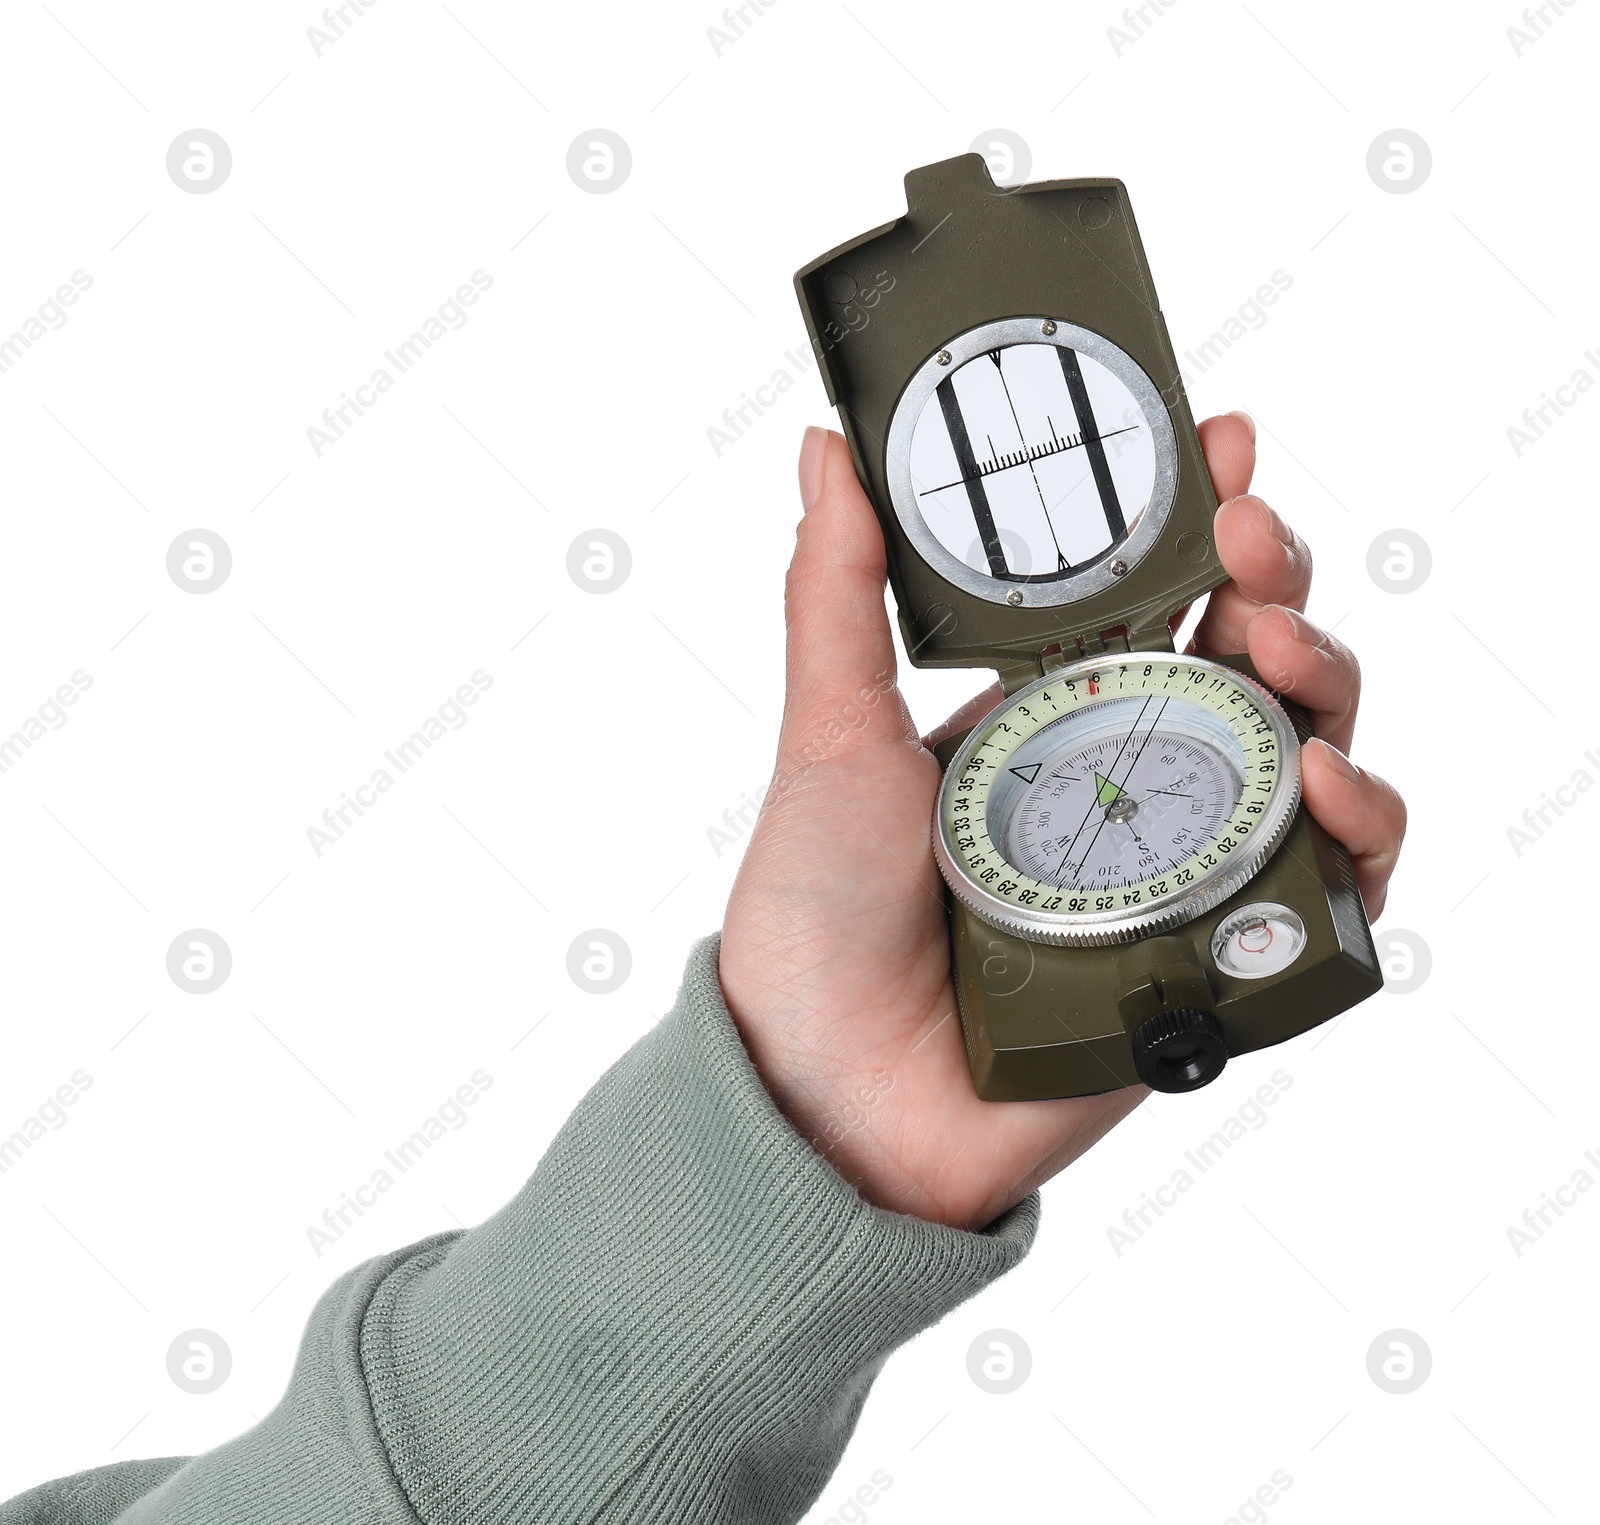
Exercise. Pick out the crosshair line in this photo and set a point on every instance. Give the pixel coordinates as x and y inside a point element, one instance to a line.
<point>1026,457</point>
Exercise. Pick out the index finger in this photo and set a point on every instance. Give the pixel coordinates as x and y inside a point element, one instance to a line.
<point>1267,563</point>
<point>1229,443</point>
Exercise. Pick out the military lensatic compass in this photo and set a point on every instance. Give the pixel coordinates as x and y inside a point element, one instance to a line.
<point>1135,890</point>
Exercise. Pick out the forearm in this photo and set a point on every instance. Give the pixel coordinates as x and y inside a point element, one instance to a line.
<point>680,1314</point>
<point>678,1317</point>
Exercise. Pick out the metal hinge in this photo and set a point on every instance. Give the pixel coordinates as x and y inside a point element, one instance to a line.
<point>1059,654</point>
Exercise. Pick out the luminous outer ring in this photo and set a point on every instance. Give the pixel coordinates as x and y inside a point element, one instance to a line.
<point>1094,578</point>
<point>1082,929</point>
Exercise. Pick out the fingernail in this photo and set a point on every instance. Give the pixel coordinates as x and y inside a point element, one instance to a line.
<point>1339,762</point>
<point>813,452</point>
<point>1270,520</point>
<point>1246,420</point>
<point>1300,627</point>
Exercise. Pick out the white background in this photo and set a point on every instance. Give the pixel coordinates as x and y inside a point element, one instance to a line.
<point>368,183</point>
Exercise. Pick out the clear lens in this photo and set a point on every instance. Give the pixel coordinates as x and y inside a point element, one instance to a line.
<point>1031,460</point>
<point>1105,798</point>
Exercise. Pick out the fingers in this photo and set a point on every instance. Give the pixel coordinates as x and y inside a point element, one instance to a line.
<point>1361,810</point>
<point>1229,443</point>
<point>1304,663</point>
<point>1268,564</point>
<point>840,652</point>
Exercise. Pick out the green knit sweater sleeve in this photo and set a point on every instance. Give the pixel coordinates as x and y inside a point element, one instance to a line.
<point>676,1319</point>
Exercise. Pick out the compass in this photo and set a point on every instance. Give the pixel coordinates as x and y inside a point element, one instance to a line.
<point>1136,891</point>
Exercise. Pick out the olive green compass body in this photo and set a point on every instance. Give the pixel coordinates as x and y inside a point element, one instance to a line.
<point>1135,890</point>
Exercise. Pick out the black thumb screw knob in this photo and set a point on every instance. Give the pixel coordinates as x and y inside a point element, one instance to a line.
<point>1179,1050</point>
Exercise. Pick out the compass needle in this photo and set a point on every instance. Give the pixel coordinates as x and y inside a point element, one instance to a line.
<point>1177,775</point>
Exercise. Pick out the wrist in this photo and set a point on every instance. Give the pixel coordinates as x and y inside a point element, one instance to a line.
<point>863,1118</point>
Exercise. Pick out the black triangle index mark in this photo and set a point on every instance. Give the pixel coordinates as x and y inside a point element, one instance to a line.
<point>994,355</point>
<point>1028,774</point>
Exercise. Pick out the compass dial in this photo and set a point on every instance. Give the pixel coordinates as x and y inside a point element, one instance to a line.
<point>1031,460</point>
<point>1115,798</point>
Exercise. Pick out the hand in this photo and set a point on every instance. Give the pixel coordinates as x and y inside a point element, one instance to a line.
<point>835,950</point>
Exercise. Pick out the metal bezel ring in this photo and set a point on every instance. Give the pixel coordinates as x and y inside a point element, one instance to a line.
<point>1097,576</point>
<point>1086,929</point>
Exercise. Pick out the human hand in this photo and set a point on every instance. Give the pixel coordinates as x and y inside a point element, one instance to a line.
<point>835,956</point>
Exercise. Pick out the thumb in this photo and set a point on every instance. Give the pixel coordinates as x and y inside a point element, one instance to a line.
<point>840,650</point>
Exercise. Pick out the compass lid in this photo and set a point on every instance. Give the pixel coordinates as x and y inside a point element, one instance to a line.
<point>1016,414</point>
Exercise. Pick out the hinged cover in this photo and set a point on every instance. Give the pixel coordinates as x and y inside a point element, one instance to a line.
<point>1016,414</point>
